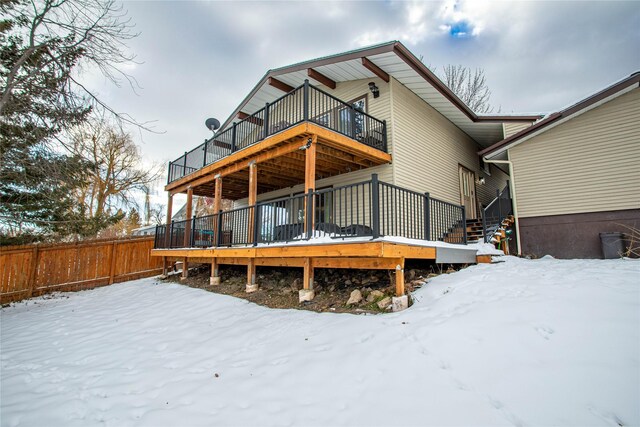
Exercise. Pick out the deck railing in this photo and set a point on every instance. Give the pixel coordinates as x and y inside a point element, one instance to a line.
<point>371,208</point>
<point>500,208</point>
<point>305,103</point>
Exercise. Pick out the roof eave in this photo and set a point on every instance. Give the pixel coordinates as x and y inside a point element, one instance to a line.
<point>505,144</point>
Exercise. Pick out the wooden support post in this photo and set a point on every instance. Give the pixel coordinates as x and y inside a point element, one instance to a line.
<point>217,195</point>
<point>310,179</point>
<point>253,196</point>
<point>307,293</point>
<point>185,268</point>
<point>217,206</point>
<point>33,270</point>
<point>187,225</point>
<point>400,279</point>
<point>252,286</point>
<point>214,280</point>
<point>112,270</point>
<point>167,230</point>
<point>308,274</point>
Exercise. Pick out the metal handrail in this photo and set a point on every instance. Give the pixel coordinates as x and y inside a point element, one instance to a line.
<point>358,209</point>
<point>190,158</point>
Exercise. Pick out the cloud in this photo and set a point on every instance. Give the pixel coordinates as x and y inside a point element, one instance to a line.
<point>201,59</point>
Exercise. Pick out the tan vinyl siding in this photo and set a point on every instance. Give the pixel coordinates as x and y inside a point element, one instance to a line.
<point>428,147</point>
<point>590,163</point>
<point>511,128</point>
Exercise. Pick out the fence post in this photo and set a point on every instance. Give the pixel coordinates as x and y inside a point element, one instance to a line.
<point>219,230</point>
<point>33,270</point>
<point>427,216</point>
<point>169,173</point>
<point>309,214</point>
<point>464,225</point>
<point>306,99</point>
<point>266,120</point>
<point>204,156</point>
<point>384,135</point>
<point>375,205</point>
<point>112,270</point>
<point>256,222</point>
<point>193,232</point>
<point>233,138</point>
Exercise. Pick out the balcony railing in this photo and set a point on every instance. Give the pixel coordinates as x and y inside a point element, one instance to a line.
<point>371,208</point>
<point>306,103</point>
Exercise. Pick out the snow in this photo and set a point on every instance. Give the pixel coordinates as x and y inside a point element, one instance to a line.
<point>521,342</point>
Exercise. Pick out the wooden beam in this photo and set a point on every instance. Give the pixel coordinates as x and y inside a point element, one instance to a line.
<point>341,142</point>
<point>185,268</point>
<point>253,196</point>
<point>279,85</point>
<point>189,213</point>
<point>310,179</point>
<point>357,263</point>
<point>217,195</point>
<point>310,165</point>
<point>375,69</point>
<point>215,273</point>
<point>308,274</point>
<point>400,279</point>
<point>251,119</point>
<point>167,235</point>
<point>321,78</point>
<point>251,275</point>
<point>245,160</point>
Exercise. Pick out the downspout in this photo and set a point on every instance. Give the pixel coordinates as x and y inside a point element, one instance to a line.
<point>512,188</point>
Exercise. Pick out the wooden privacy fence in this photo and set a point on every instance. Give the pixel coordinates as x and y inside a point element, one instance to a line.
<point>32,270</point>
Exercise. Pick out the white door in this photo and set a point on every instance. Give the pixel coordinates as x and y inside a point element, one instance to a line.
<point>468,192</point>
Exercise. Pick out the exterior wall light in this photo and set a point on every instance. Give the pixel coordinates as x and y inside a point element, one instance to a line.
<point>374,89</point>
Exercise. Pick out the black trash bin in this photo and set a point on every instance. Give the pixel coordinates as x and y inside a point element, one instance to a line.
<point>612,245</point>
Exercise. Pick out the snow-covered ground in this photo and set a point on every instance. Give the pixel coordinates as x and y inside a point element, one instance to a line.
<point>543,342</point>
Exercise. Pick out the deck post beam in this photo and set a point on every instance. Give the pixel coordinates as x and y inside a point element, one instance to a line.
<point>217,204</point>
<point>189,212</point>
<point>167,234</point>
<point>310,182</point>
<point>400,278</point>
<point>307,293</point>
<point>400,301</point>
<point>253,196</point>
<point>214,280</point>
<point>252,286</point>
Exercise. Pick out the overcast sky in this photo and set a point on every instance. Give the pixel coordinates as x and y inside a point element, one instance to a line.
<point>200,59</point>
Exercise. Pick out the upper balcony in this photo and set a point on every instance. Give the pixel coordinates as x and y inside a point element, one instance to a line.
<point>305,104</point>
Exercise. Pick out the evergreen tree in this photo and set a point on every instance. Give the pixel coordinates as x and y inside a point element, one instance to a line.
<point>41,43</point>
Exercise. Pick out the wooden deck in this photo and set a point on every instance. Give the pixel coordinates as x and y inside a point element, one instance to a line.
<point>379,255</point>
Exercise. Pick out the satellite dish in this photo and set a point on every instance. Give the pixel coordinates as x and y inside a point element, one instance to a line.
<point>212,124</point>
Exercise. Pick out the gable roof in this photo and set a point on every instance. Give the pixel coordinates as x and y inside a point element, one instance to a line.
<point>392,59</point>
<point>554,119</point>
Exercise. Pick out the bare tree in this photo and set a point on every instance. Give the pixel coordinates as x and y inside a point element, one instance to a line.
<point>62,36</point>
<point>117,173</point>
<point>470,87</point>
